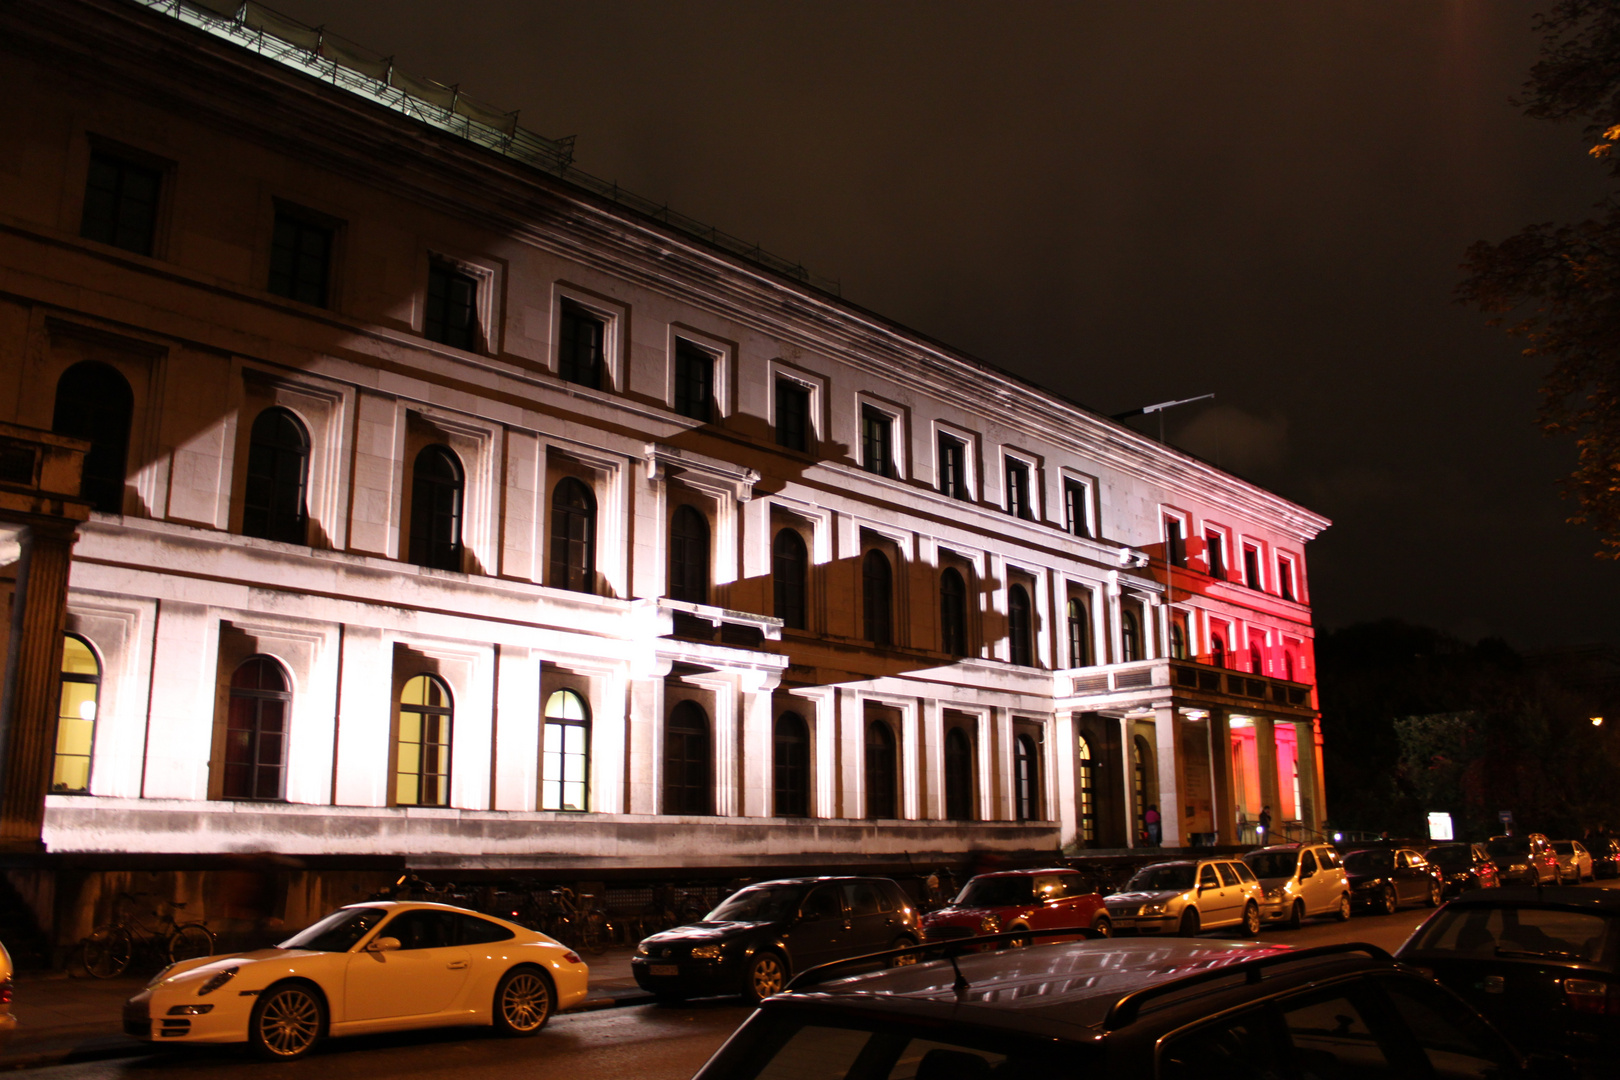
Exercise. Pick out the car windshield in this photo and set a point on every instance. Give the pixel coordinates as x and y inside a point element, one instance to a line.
<point>1176,876</point>
<point>996,892</point>
<point>1368,862</point>
<point>338,932</point>
<point>758,903</point>
<point>1524,933</point>
<point>1450,858</point>
<point>1507,845</point>
<point>1272,863</point>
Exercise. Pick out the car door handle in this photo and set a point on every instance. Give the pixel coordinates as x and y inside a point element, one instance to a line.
<point>457,965</point>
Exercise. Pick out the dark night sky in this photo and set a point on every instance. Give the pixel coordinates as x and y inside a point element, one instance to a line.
<point>1128,203</point>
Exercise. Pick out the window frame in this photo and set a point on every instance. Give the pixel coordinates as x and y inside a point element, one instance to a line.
<point>887,755</point>
<point>796,778</point>
<point>105,482</point>
<point>313,221</point>
<point>1082,652</point>
<point>685,351</point>
<point>1020,625</point>
<point>1018,487</point>
<point>959,626</point>
<point>1217,557</point>
<point>870,602</point>
<point>481,280</point>
<point>1288,583</point>
<point>785,387</point>
<point>94,720</point>
<point>277,525</point>
<point>878,454</point>
<point>691,572</point>
<point>569,311</point>
<point>585,573</point>
<point>258,695</point>
<point>448,742</point>
<point>134,160</point>
<point>780,586</point>
<point>959,774</point>
<point>1078,516</point>
<point>1176,528</point>
<point>961,486</point>
<point>1026,784</point>
<point>434,552</point>
<point>672,803</point>
<point>563,754</point>
<point>1254,563</point>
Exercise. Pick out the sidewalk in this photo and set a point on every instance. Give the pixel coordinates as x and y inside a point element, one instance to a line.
<point>64,1018</point>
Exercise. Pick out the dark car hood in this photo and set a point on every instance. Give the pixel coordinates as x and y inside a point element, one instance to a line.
<point>704,931</point>
<point>970,914</point>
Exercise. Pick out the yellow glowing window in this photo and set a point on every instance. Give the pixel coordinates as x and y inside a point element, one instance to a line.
<point>422,772</point>
<point>76,718</point>
<point>565,753</point>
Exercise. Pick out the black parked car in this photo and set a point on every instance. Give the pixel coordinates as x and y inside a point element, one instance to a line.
<point>1177,1010</point>
<point>1465,867</point>
<point>760,936</point>
<point>1540,963</point>
<point>1605,857</point>
<point>1384,878</point>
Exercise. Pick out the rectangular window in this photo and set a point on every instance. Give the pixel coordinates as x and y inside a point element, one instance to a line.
<point>1251,567</point>
<point>952,468</point>
<point>121,203</point>
<point>1018,490</point>
<point>1215,548</point>
<point>792,415</point>
<point>877,441</point>
<point>1285,579</point>
<point>300,259</point>
<point>580,339</point>
<point>1076,505</point>
<point>694,381</point>
<point>451,317</point>
<point>1175,548</point>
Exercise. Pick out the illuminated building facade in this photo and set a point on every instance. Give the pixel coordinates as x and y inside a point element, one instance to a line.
<point>446,507</point>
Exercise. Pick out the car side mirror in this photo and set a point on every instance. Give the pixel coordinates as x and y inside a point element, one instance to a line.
<point>384,944</point>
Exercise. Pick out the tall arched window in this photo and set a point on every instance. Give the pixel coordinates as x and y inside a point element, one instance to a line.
<point>436,485</point>
<point>94,403</point>
<point>877,597</point>
<point>953,612</point>
<point>882,771</point>
<point>426,715</point>
<point>273,507</point>
<point>790,766</point>
<point>1143,775</point>
<point>1217,650</point>
<point>1288,664</point>
<point>1130,637</point>
<point>958,775</point>
<point>1178,638</point>
<point>573,537</point>
<point>1020,634</point>
<point>1257,654</point>
<point>687,789</point>
<point>256,731</point>
<point>565,753</point>
<point>1079,635</point>
<point>790,577</point>
<point>76,717</point>
<point>1026,779</point>
<point>689,556</point>
<point>1086,782</point>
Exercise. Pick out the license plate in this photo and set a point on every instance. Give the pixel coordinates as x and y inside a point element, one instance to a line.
<point>659,970</point>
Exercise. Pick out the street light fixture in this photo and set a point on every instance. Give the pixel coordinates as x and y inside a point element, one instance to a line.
<point>1597,721</point>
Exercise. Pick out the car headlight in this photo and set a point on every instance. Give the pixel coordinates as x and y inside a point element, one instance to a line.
<point>642,950</point>
<point>1153,909</point>
<point>1276,893</point>
<point>1368,884</point>
<point>217,980</point>
<point>708,952</point>
<point>190,1010</point>
<point>990,924</point>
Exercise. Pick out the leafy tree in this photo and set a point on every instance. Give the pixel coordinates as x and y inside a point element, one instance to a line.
<point>1558,286</point>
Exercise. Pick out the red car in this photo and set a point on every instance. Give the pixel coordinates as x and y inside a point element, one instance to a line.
<point>1011,900</point>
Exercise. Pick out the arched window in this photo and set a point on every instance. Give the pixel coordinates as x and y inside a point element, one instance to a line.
<point>1178,638</point>
<point>256,731</point>
<point>565,753</point>
<point>790,575</point>
<point>1217,650</point>
<point>953,612</point>
<point>689,556</point>
<point>1019,632</point>
<point>1079,635</point>
<point>94,403</point>
<point>426,714</point>
<point>790,764</point>
<point>687,789</point>
<point>1086,781</point>
<point>277,472</point>
<point>1288,664</point>
<point>882,771</point>
<point>1026,779</point>
<point>877,597</point>
<point>1143,776</point>
<point>573,537</point>
<point>1130,637</point>
<point>76,717</point>
<point>958,775</point>
<point>1257,654</point>
<point>436,484</point>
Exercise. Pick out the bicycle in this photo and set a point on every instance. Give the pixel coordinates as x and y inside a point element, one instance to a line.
<point>108,951</point>
<point>580,923</point>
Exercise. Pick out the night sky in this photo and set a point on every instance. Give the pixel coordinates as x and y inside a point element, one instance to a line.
<point>1130,203</point>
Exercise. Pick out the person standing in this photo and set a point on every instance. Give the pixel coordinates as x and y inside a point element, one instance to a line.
<point>1265,823</point>
<point>1155,830</point>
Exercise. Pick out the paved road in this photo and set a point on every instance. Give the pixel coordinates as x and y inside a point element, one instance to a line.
<point>648,1042</point>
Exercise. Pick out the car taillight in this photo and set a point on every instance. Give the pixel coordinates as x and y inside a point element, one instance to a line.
<point>571,956</point>
<point>5,992</point>
<point>1591,997</point>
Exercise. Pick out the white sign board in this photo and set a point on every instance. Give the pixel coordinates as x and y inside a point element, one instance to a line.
<point>1440,826</point>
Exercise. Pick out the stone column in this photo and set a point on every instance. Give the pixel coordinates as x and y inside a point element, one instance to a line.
<point>1310,802</point>
<point>1167,733</point>
<point>1265,745</point>
<point>1127,786</point>
<point>1220,762</point>
<point>644,722</point>
<point>33,683</point>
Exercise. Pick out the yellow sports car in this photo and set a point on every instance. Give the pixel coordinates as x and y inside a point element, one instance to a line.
<point>383,966</point>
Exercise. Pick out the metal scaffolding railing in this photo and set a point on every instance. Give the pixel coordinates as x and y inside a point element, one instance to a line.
<point>333,59</point>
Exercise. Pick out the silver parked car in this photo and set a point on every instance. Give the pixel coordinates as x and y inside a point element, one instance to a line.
<point>1187,896</point>
<point>1574,861</point>
<point>1300,880</point>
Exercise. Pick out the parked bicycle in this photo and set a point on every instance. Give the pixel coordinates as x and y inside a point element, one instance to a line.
<point>109,950</point>
<point>578,922</point>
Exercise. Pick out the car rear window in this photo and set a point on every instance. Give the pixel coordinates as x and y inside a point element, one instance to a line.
<point>997,892</point>
<point>1269,864</point>
<point>1508,846</point>
<point>1530,933</point>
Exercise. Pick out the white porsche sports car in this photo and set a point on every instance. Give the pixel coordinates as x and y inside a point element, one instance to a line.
<point>382,966</point>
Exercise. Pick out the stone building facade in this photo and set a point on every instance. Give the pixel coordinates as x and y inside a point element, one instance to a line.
<point>449,509</point>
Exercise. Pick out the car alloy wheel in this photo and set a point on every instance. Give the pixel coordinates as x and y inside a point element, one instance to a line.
<point>287,1021</point>
<point>1434,894</point>
<point>1189,923</point>
<point>522,1002</point>
<point>1251,919</point>
<point>765,976</point>
<point>1296,915</point>
<point>1390,903</point>
<point>1343,914</point>
<point>1104,926</point>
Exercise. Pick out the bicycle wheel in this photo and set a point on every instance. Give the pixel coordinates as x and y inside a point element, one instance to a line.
<point>106,952</point>
<point>594,934</point>
<point>189,942</point>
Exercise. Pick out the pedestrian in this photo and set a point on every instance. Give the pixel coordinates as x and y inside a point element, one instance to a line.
<point>1154,830</point>
<point>1265,822</point>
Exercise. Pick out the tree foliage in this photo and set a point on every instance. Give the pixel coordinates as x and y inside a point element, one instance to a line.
<point>1557,286</point>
